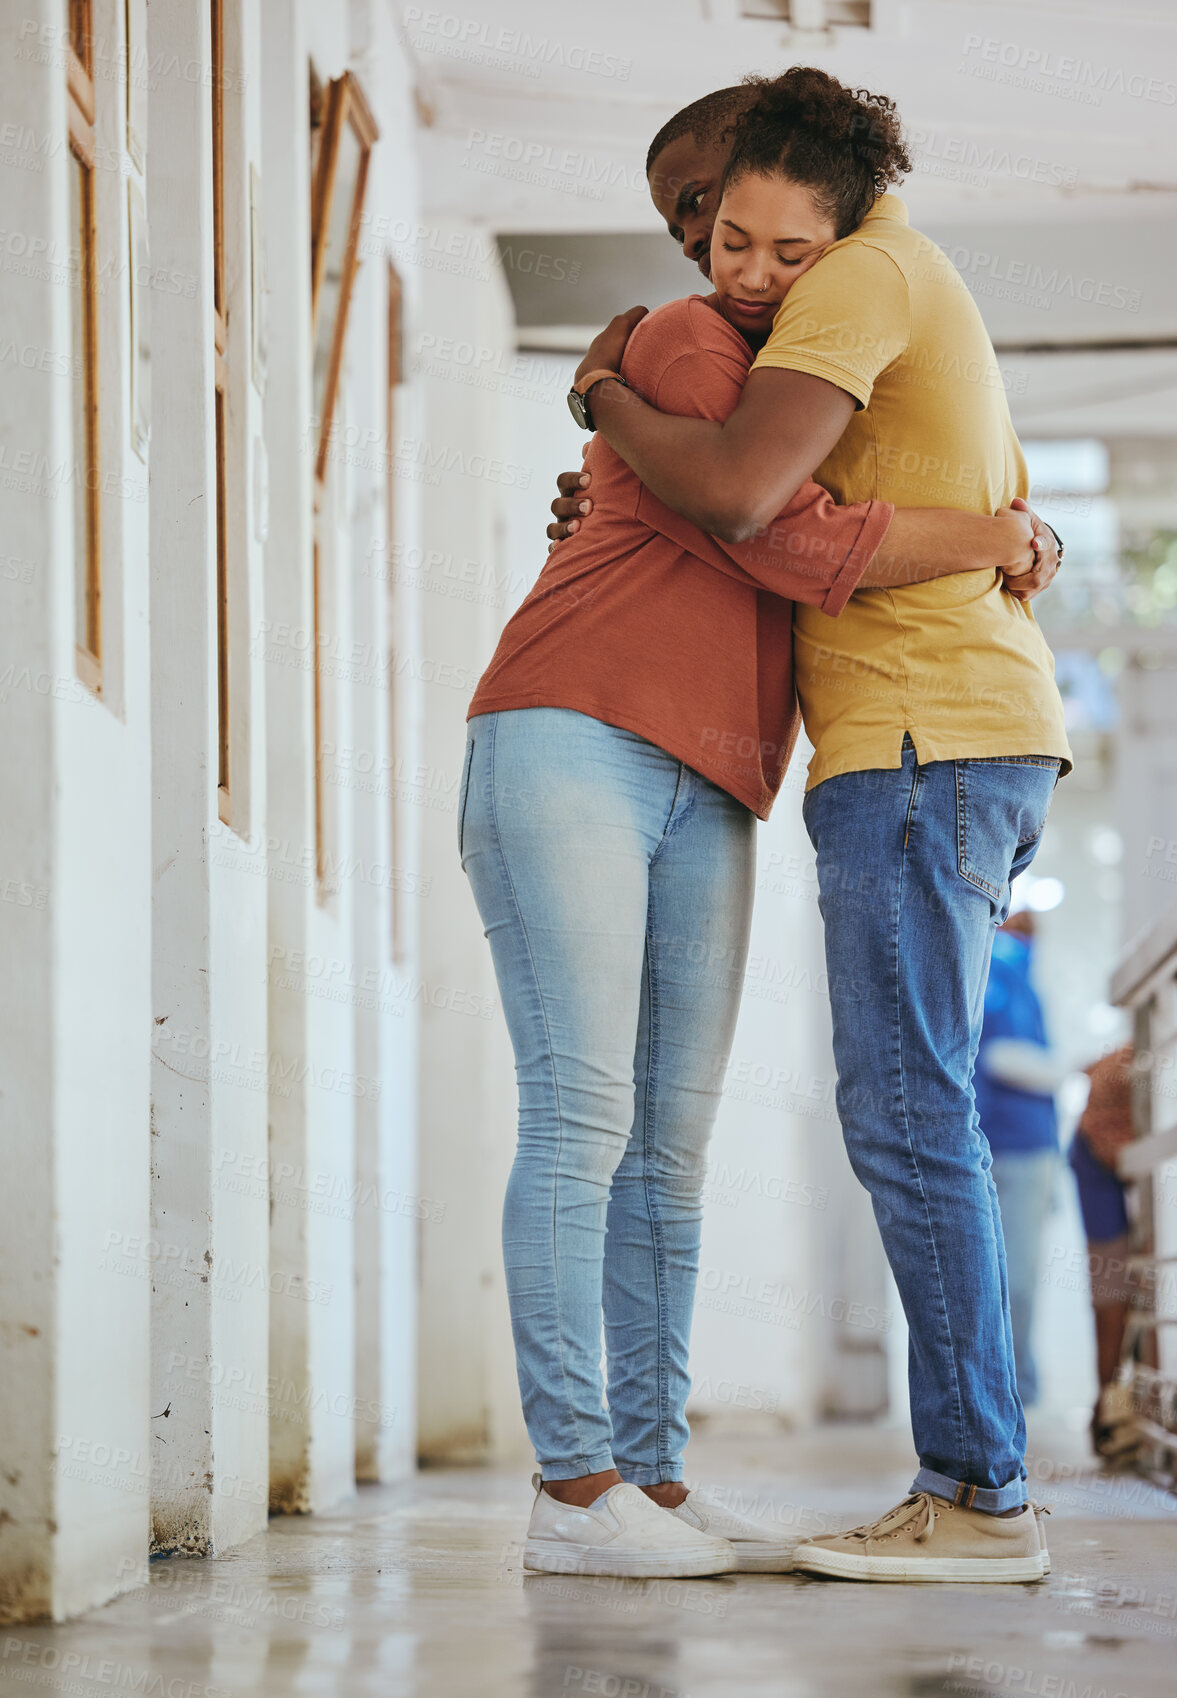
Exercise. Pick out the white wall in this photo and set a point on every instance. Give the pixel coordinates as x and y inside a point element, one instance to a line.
<point>74,854</point>
<point>385,739</point>
<point>312,1133</point>
<point>342,1132</point>
<point>163,1092</point>
<point>210,1304</point>
<point>467,467</point>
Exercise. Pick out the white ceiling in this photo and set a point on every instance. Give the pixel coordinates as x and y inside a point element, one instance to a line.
<point>520,75</point>
<point>1045,135</point>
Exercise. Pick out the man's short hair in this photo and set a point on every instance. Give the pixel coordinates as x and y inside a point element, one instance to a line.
<point>704,120</point>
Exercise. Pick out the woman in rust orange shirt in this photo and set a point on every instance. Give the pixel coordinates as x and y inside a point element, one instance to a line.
<point>638,715</point>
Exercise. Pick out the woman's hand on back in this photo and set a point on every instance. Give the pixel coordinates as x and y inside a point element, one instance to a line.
<point>1035,558</point>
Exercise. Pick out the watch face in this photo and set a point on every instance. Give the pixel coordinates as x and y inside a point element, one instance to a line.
<point>577,408</point>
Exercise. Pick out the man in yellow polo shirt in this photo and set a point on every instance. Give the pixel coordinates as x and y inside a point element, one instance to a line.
<point>938,736</point>
<point>957,664</point>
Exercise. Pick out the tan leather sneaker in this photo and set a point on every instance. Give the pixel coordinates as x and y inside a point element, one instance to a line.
<point>926,1538</point>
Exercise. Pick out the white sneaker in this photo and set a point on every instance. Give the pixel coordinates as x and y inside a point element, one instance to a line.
<point>624,1532</point>
<point>759,1549</point>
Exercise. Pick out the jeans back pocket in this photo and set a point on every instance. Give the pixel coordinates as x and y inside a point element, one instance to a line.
<point>1001,805</point>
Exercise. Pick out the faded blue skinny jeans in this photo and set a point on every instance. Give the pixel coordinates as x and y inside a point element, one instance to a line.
<point>914,867</point>
<point>615,885</point>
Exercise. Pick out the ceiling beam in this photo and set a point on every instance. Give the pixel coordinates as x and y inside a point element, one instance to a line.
<point>1145,345</point>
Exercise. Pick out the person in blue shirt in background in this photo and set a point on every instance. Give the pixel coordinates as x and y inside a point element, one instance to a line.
<point>1016,1077</point>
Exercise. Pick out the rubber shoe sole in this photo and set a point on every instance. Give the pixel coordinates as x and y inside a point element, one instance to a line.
<point>844,1565</point>
<point>554,1556</point>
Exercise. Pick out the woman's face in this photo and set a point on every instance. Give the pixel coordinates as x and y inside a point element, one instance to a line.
<point>768,232</point>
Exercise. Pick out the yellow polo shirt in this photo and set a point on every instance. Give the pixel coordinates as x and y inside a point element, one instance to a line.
<point>957,662</point>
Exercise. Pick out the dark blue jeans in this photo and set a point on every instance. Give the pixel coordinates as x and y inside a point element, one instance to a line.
<point>914,867</point>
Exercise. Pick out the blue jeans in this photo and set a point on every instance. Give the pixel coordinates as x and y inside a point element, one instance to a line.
<point>1025,1181</point>
<point>615,886</point>
<point>914,867</point>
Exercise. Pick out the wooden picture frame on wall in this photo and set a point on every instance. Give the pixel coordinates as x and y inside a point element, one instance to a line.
<point>392,609</point>
<point>84,342</point>
<point>342,135</point>
<point>224,697</point>
<point>347,136</point>
<point>136,57</point>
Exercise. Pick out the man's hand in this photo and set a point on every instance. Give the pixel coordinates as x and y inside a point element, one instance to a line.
<point>573,503</point>
<point>1028,575</point>
<point>605,351</point>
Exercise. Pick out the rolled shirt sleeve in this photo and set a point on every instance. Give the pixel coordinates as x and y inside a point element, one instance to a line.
<point>814,551</point>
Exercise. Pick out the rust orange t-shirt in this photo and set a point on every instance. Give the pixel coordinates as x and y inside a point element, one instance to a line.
<point>645,622</point>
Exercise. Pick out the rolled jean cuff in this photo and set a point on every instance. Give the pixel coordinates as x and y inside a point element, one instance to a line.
<point>992,1499</point>
<point>599,1463</point>
<point>649,1475</point>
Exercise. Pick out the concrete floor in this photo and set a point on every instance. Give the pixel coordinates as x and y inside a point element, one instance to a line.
<point>418,1592</point>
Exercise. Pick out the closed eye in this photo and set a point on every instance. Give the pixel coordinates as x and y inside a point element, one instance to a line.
<point>780,258</point>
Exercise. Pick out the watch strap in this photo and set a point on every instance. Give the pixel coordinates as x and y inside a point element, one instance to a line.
<point>586,382</point>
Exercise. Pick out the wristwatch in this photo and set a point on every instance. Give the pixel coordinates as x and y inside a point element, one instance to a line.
<point>578,404</point>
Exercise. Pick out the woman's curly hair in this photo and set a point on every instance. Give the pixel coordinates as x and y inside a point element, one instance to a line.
<point>843,144</point>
